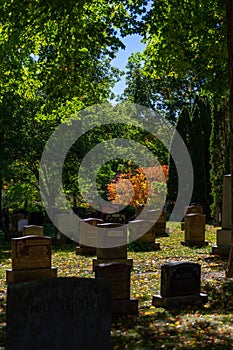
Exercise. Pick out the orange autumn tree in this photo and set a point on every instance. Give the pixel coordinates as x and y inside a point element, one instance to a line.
<point>139,187</point>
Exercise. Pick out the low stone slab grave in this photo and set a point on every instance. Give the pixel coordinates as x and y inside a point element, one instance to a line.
<point>180,285</point>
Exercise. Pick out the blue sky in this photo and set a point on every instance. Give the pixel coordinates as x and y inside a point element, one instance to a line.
<point>132,44</point>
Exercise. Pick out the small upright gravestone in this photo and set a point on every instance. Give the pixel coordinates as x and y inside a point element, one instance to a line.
<point>31,259</point>
<point>88,234</point>
<point>192,209</point>
<point>180,285</point>
<point>33,230</point>
<point>21,224</point>
<point>194,230</point>
<point>135,228</point>
<point>112,244</point>
<point>62,313</point>
<point>160,224</point>
<point>119,275</point>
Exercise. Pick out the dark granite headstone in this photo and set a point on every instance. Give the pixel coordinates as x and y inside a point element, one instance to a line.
<point>180,278</point>
<point>180,285</point>
<point>63,313</point>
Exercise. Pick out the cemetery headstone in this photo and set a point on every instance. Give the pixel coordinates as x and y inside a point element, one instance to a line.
<point>194,230</point>
<point>160,224</point>
<point>119,275</point>
<point>21,224</point>
<point>136,227</point>
<point>224,236</point>
<point>33,230</point>
<point>88,234</point>
<point>62,313</point>
<point>191,209</point>
<point>31,259</point>
<point>67,222</point>
<point>114,236</point>
<point>115,218</point>
<point>180,285</point>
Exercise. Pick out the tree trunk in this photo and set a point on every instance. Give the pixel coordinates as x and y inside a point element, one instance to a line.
<point>229,23</point>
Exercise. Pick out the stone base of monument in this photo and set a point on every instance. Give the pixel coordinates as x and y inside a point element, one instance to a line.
<point>223,239</point>
<point>17,276</point>
<point>122,307</point>
<point>221,250</point>
<point>105,261</point>
<point>194,244</point>
<point>177,301</point>
<point>119,275</point>
<point>85,250</point>
<point>151,246</point>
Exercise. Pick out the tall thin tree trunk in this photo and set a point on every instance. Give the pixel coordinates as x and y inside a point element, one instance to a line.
<point>229,22</point>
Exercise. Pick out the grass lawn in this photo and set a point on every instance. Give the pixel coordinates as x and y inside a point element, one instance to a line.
<point>206,327</point>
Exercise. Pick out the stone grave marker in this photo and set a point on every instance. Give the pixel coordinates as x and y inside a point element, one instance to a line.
<point>112,234</point>
<point>115,218</point>
<point>71,225</point>
<point>33,230</point>
<point>160,224</point>
<point>119,275</point>
<point>135,228</point>
<point>224,236</point>
<point>194,230</point>
<point>21,224</point>
<point>191,209</point>
<point>62,313</point>
<point>180,285</point>
<point>89,235</point>
<point>31,259</point>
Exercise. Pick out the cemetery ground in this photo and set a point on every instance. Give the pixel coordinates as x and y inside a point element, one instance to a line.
<point>194,327</point>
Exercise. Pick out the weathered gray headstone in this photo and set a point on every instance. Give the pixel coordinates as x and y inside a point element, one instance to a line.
<point>63,313</point>
<point>180,284</point>
<point>21,224</point>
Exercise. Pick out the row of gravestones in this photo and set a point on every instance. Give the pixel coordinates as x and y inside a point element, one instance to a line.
<point>193,226</point>
<point>45,312</point>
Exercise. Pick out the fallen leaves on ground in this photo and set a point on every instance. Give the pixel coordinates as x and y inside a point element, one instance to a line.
<point>207,327</point>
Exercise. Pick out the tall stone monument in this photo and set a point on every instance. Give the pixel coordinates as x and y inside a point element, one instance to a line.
<point>224,235</point>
